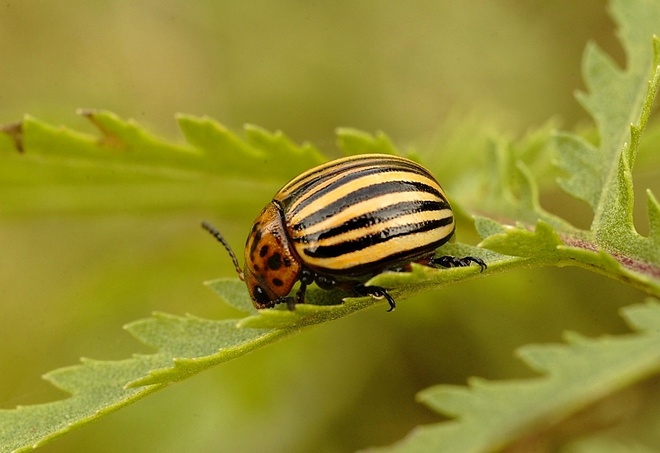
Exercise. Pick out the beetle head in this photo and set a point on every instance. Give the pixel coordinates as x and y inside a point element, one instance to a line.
<point>271,266</point>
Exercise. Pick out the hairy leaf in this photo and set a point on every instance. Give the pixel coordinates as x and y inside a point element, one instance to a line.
<point>600,174</point>
<point>214,166</point>
<point>127,161</point>
<point>489,415</point>
<point>128,166</point>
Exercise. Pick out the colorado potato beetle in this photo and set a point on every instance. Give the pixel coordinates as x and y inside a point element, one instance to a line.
<point>343,222</point>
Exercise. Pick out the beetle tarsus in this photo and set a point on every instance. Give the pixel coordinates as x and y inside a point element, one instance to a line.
<point>376,292</point>
<point>291,302</point>
<point>452,261</point>
<point>299,299</point>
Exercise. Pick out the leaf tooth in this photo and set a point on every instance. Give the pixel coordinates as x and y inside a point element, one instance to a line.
<point>450,400</point>
<point>579,159</point>
<point>599,70</point>
<point>353,141</point>
<point>653,209</point>
<point>643,317</point>
<point>541,358</point>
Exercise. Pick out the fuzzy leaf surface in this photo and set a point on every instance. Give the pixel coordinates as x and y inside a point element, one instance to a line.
<point>489,415</point>
<point>620,102</point>
<point>127,163</point>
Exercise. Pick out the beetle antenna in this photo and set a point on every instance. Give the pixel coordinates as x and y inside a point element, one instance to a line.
<point>216,234</point>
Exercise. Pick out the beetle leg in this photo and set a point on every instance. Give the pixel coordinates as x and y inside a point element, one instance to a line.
<point>452,261</point>
<point>306,278</point>
<point>299,299</point>
<point>325,282</point>
<point>376,292</point>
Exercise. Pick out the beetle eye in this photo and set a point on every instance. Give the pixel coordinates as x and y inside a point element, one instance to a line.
<point>260,295</point>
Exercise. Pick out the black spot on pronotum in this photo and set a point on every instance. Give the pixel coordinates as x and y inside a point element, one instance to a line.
<point>275,261</point>
<point>277,282</point>
<point>263,251</point>
<point>287,262</point>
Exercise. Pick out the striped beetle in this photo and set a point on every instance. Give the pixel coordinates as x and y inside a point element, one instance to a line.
<point>343,222</point>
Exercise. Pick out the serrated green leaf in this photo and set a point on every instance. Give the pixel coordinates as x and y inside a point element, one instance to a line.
<point>280,148</point>
<point>620,101</point>
<point>128,167</point>
<point>123,145</point>
<point>511,191</point>
<point>353,141</point>
<point>541,244</point>
<point>186,346</point>
<point>125,152</point>
<point>487,227</point>
<point>616,99</point>
<point>575,153</point>
<point>232,292</point>
<point>653,208</point>
<point>226,151</point>
<point>98,391</point>
<point>492,414</point>
<point>189,345</point>
<point>194,344</point>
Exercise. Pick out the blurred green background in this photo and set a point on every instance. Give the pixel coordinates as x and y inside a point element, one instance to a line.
<point>70,280</point>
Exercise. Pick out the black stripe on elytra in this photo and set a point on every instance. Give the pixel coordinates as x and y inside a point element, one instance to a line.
<point>322,174</point>
<point>352,168</point>
<point>365,160</point>
<point>348,177</point>
<point>357,196</point>
<point>333,251</point>
<point>390,261</point>
<point>370,218</point>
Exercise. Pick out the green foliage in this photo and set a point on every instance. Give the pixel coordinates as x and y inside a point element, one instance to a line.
<point>620,102</point>
<point>491,415</point>
<point>185,345</point>
<point>126,162</point>
<point>128,158</point>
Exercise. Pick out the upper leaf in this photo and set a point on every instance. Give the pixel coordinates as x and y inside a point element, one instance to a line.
<point>620,101</point>
<point>129,167</point>
<point>614,99</point>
